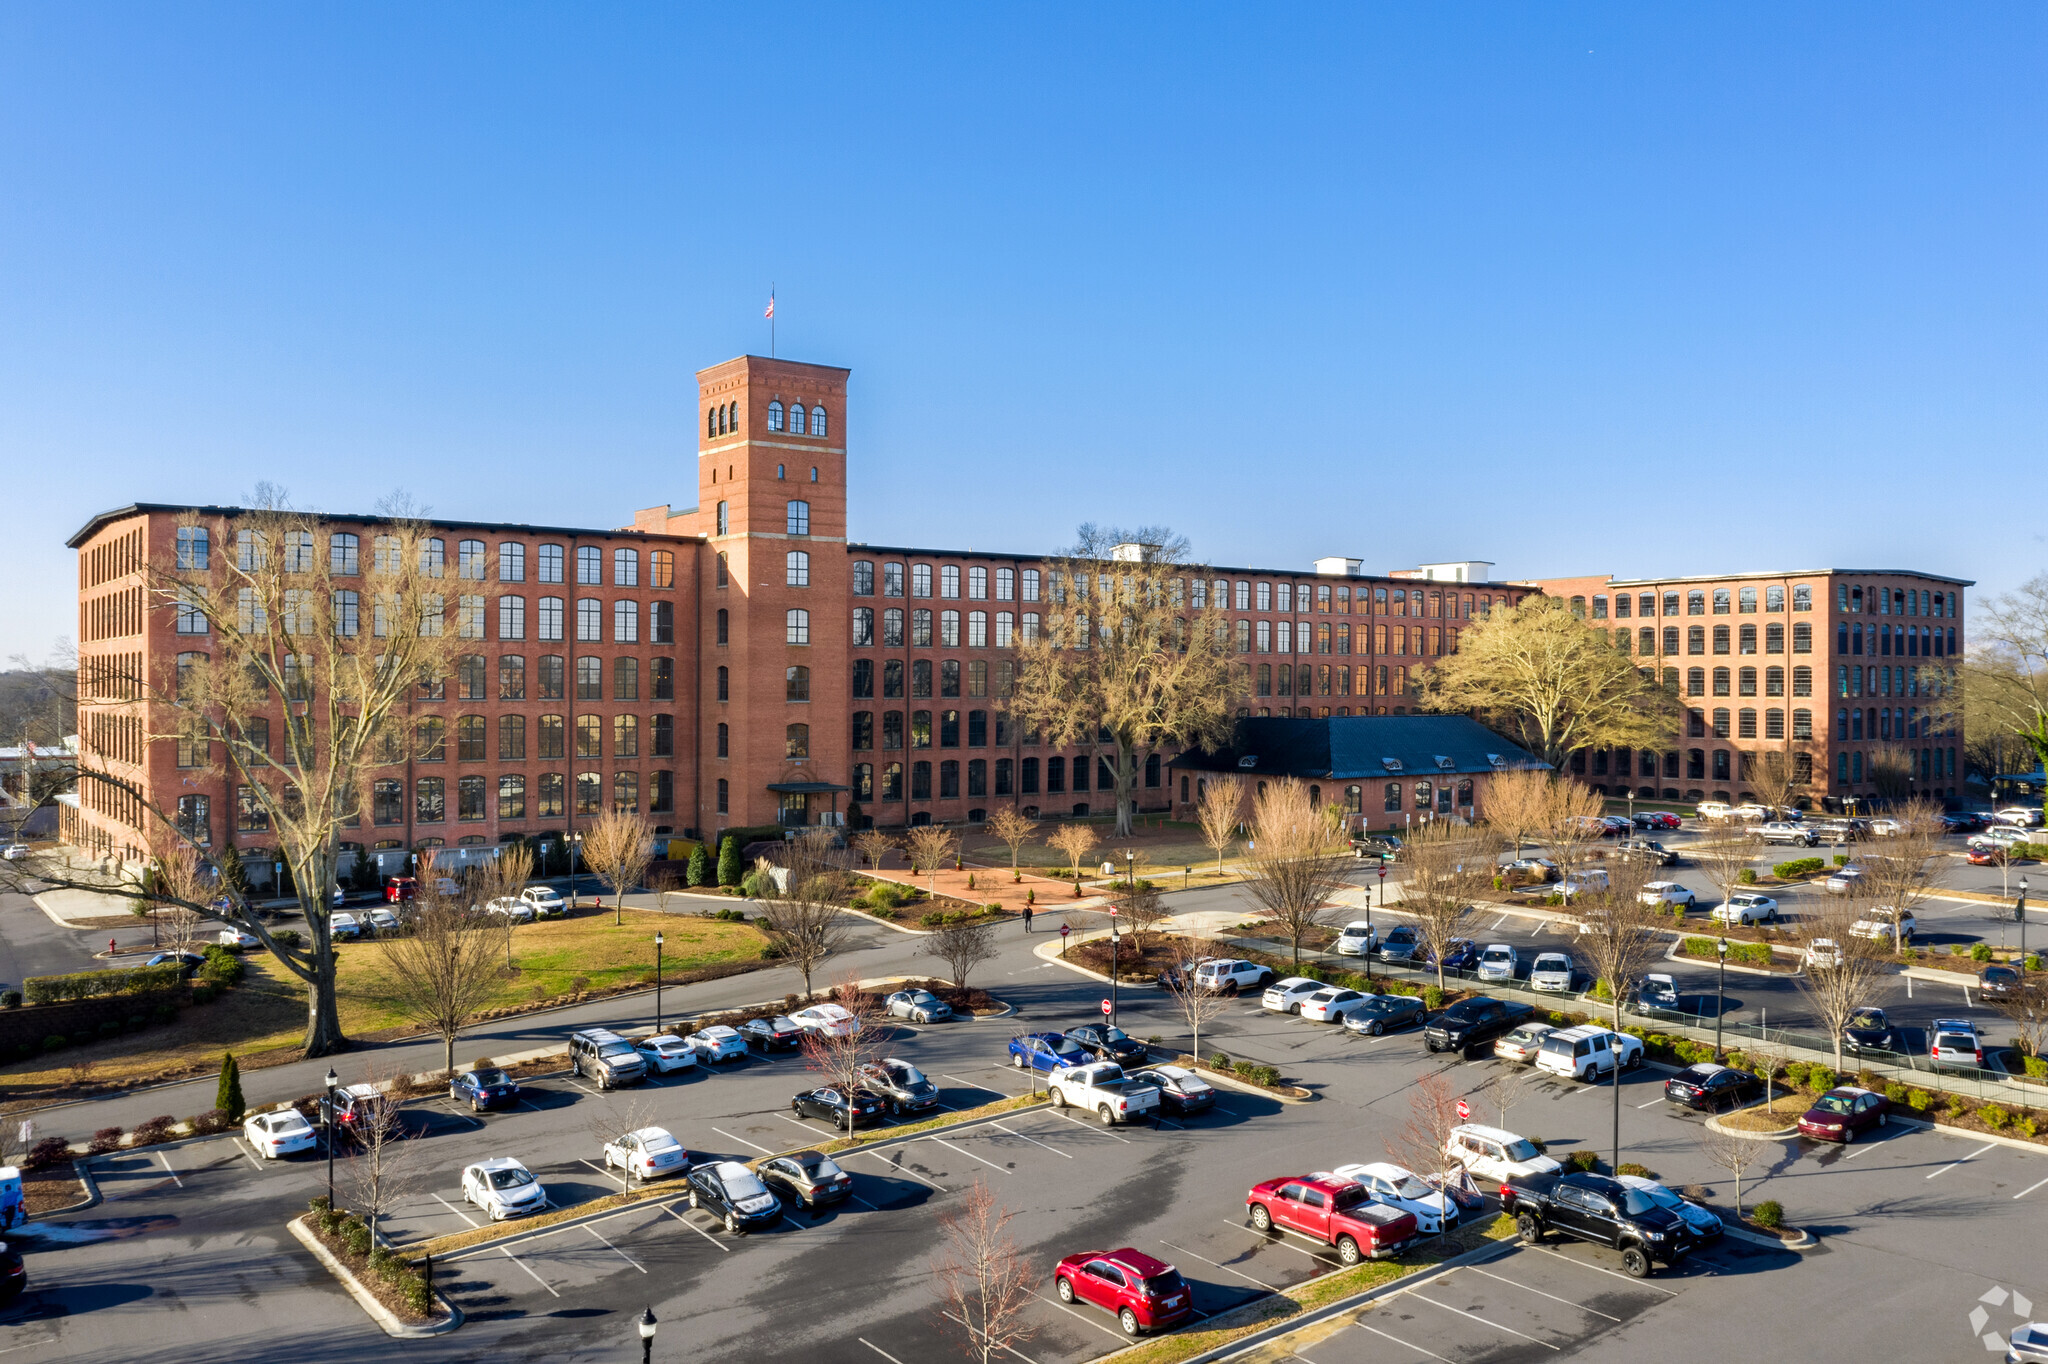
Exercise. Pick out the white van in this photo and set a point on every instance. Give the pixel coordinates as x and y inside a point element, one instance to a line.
<point>1587,1052</point>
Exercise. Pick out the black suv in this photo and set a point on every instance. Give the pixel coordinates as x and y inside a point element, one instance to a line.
<point>1470,1022</point>
<point>13,1273</point>
<point>1111,1043</point>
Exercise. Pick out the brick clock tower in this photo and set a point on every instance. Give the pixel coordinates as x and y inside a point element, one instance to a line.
<point>773,638</point>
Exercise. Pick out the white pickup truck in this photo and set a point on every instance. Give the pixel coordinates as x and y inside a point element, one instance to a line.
<point>1104,1090</point>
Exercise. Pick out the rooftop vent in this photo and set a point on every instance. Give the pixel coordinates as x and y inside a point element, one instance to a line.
<point>1445,763</point>
<point>1391,764</point>
<point>1248,761</point>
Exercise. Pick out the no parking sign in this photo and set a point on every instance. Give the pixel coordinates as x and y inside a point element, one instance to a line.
<point>1464,1111</point>
<point>1106,1010</point>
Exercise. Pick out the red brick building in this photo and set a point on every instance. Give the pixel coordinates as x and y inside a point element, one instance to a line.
<point>1845,669</point>
<point>744,662</point>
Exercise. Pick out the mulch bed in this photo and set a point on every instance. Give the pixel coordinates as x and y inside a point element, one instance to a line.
<point>51,1190</point>
<point>972,1000</point>
<point>1134,961</point>
<point>379,1288</point>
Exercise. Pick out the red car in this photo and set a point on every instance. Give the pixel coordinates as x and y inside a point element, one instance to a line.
<point>1987,857</point>
<point>1146,1294</point>
<point>1657,819</point>
<point>1844,1113</point>
<point>1332,1212</point>
<point>400,890</point>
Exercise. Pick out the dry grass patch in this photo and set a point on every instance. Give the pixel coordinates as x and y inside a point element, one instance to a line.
<point>1782,1112</point>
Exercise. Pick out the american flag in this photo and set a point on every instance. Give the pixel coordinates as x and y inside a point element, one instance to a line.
<point>771,307</point>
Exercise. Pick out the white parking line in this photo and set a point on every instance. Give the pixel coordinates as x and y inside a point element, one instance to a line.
<point>969,1154</point>
<point>580,1085</point>
<point>1972,1156</point>
<point>699,1230</point>
<point>1280,1241</point>
<point>973,1085</point>
<point>1225,1268</point>
<point>1640,1283</point>
<point>245,1151</point>
<point>1659,1099</point>
<point>529,1269</point>
<point>1541,1294</point>
<point>614,1249</point>
<point>1872,1146</point>
<point>1033,1140</point>
<point>168,1170</point>
<point>742,1141</point>
<point>1481,1320</point>
<point>1398,1341</point>
<point>457,1211</point>
<point>972,1332</point>
<point>2029,1189</point>
<point>878,1350</point>
<point>1058,1113</point>
<point>1084,1317</point>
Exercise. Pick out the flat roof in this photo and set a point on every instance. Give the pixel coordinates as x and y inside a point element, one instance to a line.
<point>909,551</point>
<point>91,527</point>
<point>1773,573</point>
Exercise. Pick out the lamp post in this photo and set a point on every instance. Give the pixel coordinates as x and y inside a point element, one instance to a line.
<point>2020,912</point>
<point>1720,992</point>
<point>657,983</point>
<point>646,1325</point>
<point>1112,966</point>
<point>332,1081</point>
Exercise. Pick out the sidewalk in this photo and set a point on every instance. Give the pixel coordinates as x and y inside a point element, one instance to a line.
<point>993,886</point>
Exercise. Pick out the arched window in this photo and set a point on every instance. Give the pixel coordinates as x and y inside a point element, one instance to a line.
<point>796,741</point>
<point>814,473</point>
<point>1393,797</point>
<point>724,741</point>
<point>711,422</point>
<point>863,578</point>
<point>781,471</point>
<point>775,414</point>
<point>796,568</point>
<point>796,418</point>
<point>817,421</point>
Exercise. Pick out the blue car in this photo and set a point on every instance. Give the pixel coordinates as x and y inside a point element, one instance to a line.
<point>1463,956</point>
<point>481,1089</point>
<point>1047,1051</point>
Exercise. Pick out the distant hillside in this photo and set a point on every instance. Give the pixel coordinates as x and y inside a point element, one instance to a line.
<point>38,704</point>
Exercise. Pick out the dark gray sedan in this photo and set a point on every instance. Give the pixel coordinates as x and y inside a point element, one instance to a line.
<point>1384,1013</point>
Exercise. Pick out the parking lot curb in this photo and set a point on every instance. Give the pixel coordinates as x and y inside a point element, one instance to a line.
<point>1290,1325</point>
<point>1806,1241</point>
<point>1674,954</point>
<point>83,1169</point>
<point>1714,1124</point>
<point>1214,1076</point>
<point>367,1300</point>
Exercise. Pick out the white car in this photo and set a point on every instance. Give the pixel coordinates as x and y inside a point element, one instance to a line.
<point>1521,1045</point>
<point>1745,909</point>
<point>547,902</point>
<point>1491,1153</point>
<point>1999,836</point>
<point>344,926</point>
<point>666,1052</point>
<point>518,911</point>
<point>1750,811</point>
<point>1551,973</point>
<point>1885,828</point>
<point>1330,1004</point>
<point>234,939</point>
<point>1230,975</point>
<point>280,1133</point>
<point>829,1019</point>
<point>1498,962</point>
<point>1711,809</point>
<point>719,1043</point>
<point>382,921</point>
<point>1887,924</point>
<point>1355,939</point>
<point>648,1153</point>
<point>1666,893</point>
<point>2024,815</point>
<point>503,1188</point>
<point>1285,996</point>
<point>1399,1188</point>
<point>15,852</point>
<point>1843,879</point>
<point>1822,954</point>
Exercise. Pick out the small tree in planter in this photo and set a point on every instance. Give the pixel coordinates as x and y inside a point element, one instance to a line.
<point>1076,841</point>
<point>1012,828</point>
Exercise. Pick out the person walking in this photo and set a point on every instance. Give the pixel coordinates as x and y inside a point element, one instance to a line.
<point>1027,918</point>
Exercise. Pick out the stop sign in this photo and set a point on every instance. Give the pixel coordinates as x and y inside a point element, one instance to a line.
<point>1063,930</point>
<point>1105,1008</point>
<point>1464,1111</point>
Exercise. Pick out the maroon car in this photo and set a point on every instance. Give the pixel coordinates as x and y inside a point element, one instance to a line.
<point>1146,1294</point>
<point>1657,819</point>
<point>1845,1113</point>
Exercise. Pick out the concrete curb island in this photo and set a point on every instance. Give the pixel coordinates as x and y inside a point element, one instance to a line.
<point>367,1300</point>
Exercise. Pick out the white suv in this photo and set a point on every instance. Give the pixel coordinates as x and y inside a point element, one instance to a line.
<point>1228,975</point>
<point>547,902</point>
<point>1285,996</point>
<point>1494,1154</point>
<point>1587,1052</point>
<point>1885,923</point>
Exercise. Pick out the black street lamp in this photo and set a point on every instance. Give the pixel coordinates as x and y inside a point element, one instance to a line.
<point>332,1081</point>
<point>1720,992</point>
<point>657,982</point>
<point>646,1325</point>
<point>2020,912</point>
<point>1112,966</point>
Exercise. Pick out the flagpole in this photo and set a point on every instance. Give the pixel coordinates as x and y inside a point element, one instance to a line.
<point>771,319</point>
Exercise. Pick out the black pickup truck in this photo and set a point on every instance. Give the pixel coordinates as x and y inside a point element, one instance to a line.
<point>1474,1022</point>
<point>1602,1210</point>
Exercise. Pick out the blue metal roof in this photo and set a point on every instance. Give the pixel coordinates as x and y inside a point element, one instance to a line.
<point>1356,747</point>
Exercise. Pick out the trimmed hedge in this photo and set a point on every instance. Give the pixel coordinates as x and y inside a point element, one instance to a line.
<point>1741,953</point>
<point>1798,866</point>
<point>94,984</point>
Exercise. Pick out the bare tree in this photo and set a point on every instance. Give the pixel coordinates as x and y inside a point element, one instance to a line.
<point>384,1160</point>
<point>804,917</point>
<point>1299,859</point>
<point>931,846</point>
<point>617,847</point>
<point>445,969</point>
<point>1508,1086</point>
<point>1535,671</point>
<point>1143,909</point>
<point>1195,1005</point>
<point>874,845</point>
<point>1449,866</point>
<point>1125,652</point>
<point>1737,1155</point>
<point>504,876</point>
<point>1723,856</point>
<point>1009,826</point>
<point>611,1115</point>
<point>962,947</point>
<point>983,1280</point>
<point>1845,984</point>
<point>1518,804</point>
<point>2025,1006</point>
<point>1619,931</point>
<point>1220,810</point>
<point>1766,1059</point>
<point>1076,841</point>
<point>1423,1143</point>
<point>1770,775</point>
<point>1902,876</point>
<point>1571,826</point>
<point>180,878</point>
<point>297,700</point>
<point>840,1056</point>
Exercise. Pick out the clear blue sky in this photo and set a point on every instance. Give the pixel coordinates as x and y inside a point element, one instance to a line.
<point>1572,288</point>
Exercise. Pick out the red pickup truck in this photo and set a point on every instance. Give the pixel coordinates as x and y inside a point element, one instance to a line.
<point>1333,1212</point>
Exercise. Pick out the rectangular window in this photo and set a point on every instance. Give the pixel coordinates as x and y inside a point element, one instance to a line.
<point>549,619</point>
<point>511,738</point>
<point>625,679</point>
<point>589,566</point>
<point>625,622</point>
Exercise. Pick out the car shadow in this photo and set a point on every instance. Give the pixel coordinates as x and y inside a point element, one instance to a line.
<point>886,1194</point>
